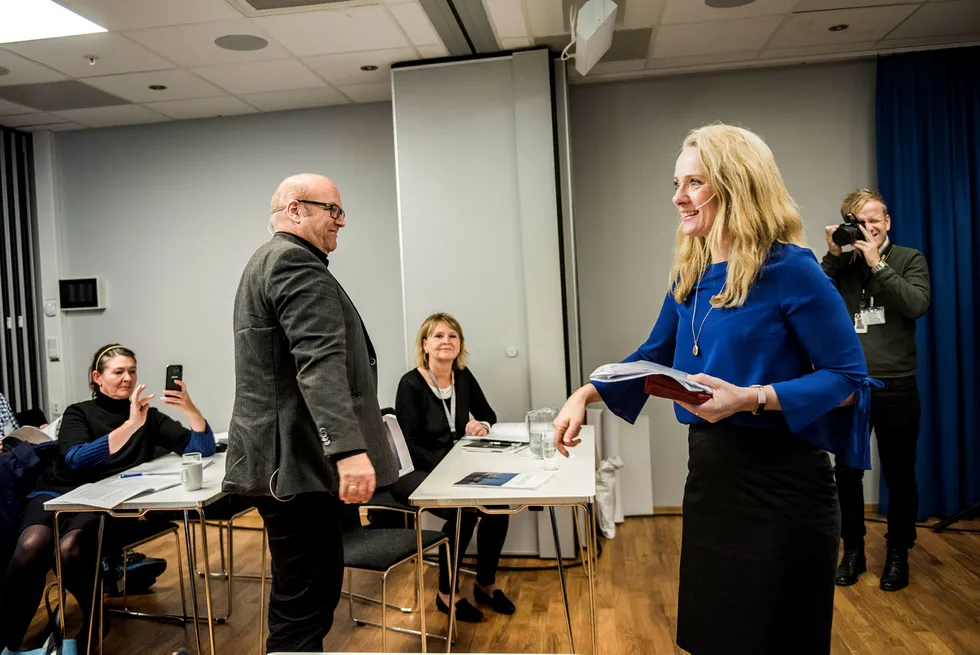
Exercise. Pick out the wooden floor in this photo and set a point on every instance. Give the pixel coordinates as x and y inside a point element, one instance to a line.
<point>636,603</point>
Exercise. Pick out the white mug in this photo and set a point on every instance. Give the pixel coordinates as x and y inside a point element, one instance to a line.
<point>192,473</point>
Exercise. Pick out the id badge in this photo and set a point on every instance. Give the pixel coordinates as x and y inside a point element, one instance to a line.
<point>859,325</point>
<point>874,316</point>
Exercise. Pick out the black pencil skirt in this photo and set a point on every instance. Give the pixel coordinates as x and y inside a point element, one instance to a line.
<point>759,549</point>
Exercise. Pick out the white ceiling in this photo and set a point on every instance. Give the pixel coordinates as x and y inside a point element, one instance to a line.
<point>314,55</point>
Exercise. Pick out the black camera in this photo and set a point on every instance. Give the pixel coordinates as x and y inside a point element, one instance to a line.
<point>847,232</point>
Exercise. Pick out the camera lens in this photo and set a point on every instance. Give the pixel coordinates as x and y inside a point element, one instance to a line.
<point>846,234</point>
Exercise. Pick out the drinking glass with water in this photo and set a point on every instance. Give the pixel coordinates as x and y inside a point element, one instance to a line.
<point>540,428</point>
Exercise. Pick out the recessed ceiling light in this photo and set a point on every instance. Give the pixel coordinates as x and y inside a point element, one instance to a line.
<point>3,71</point>
<point>727,4</point>
<point>369,67</point>
<point>28,20</point>
<point>838,28</point>
<point>241,42</point>
<point>157,87</point>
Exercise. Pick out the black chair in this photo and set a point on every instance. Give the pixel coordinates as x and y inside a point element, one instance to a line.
<point>380,551</point>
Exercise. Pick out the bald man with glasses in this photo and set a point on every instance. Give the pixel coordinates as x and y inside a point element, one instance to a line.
<point>306,432</point>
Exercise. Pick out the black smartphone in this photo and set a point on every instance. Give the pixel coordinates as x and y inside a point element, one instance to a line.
<point>174,372</point>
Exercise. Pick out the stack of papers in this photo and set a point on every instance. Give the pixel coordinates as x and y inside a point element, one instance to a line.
<point>113,491</point>
<point>660,381</point>
<point>515,432</point>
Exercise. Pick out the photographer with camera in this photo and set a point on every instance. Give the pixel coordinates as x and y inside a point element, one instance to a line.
<point>885,288</point>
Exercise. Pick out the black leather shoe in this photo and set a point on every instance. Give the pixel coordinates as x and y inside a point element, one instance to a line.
<point>896,573</point>
<point>852,565</point>
<point>465,611</point>
<point>498,602</point>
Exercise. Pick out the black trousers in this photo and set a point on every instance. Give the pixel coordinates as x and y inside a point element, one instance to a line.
<point>489,543</point>
<point>307,569</point>
<point>895,414</point>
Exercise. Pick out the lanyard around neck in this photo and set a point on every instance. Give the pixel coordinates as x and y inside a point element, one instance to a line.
<point>451,410</point>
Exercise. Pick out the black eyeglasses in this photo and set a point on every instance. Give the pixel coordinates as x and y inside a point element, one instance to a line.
<point>335,210</point>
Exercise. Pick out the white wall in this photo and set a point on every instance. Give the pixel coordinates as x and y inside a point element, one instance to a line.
<point>169,214</point>
<point>819,122</point>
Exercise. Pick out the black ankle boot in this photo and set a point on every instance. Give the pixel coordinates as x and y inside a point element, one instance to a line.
<point>852,565</point>
<point>896,573</point>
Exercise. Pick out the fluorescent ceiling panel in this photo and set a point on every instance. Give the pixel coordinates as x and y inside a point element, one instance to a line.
<point>29,20</point>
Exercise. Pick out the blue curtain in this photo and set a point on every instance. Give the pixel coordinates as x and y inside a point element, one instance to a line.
<point>928,150</point>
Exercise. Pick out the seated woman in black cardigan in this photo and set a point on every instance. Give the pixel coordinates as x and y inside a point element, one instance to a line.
<point>434,405</point>
<point>97,438</point>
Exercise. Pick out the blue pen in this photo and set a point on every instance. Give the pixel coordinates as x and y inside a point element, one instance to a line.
<point>137,475</point>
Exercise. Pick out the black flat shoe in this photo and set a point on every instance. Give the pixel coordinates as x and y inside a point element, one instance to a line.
<point>852,565</point>
<point>465,611</point>
<point>499,603</point>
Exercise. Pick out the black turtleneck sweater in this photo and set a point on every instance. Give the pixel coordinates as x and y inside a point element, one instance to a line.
<point>86,425</point>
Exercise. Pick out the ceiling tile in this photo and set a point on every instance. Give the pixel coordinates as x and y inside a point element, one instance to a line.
<point>24,71</point>
<point>346,68</point>
<point>433,51</point>
<point>55,96</point>
<point>201,108</point>
<point>545,17</point>
<point>888,44</point>
<point>135,14</point>
<point>261,76</point>
<point>296,99</point>
<point>26,120</point>
<point>507,17</point>
<point>193,45</point>
<point>109,116</point>
<point>695,11</point>
<point>941,19</point>
<point>368,92</point>
<point>824,5</point>
<point>10,108</point>
<point>695,39</point>
<point>116,54</point>
<point>415,23</point>
<point>515,44</point>
<point>814,50</point>
<point>54,127</point>
<point>642,13</point>
<point>135,87</point>
<point>328,32</point>
<point>868,24</point>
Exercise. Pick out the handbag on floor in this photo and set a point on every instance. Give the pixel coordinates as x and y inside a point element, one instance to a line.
<point>55,644</point>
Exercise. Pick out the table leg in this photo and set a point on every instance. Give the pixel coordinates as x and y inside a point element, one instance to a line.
<point>57,571</point>
<point>453,574</point>
<point>192,576</point>
<point>207,580</point>
<point>561,576</point>
<point>593,565</point>
<point>262,616</point>
<point>96,588</point>
<point>420,580</point>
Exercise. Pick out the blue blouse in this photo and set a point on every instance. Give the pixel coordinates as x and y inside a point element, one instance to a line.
<point>793,333</point>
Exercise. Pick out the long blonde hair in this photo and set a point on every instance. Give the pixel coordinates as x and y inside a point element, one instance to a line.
<point>428,325</point>
<point>754,212</point>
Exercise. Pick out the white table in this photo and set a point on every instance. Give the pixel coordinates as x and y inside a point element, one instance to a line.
<point>572,486</point>
<point>173,499</point>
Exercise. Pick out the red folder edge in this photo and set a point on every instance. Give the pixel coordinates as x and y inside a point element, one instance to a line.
<point>662,386</point>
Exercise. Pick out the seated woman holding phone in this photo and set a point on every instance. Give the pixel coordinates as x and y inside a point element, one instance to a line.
<point>114,431</point>
<point>434,404</point>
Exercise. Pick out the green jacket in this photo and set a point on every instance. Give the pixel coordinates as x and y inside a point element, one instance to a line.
<point>902,288</point>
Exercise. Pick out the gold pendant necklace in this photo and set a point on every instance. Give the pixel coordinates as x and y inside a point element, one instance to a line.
<point>697,337</point>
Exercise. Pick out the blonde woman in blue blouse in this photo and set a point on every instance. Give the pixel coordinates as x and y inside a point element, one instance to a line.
<point>750,312</point>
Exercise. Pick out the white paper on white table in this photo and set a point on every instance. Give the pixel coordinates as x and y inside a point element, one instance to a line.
<point>516,432</point>
<point>113,491</point>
